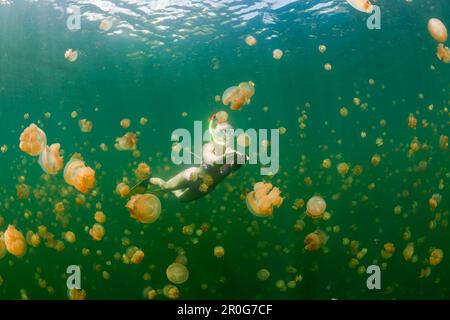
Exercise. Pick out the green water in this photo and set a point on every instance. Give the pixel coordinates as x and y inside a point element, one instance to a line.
<point>163,58</point>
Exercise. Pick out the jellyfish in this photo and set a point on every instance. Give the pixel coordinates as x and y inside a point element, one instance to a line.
<point>70,237</point>
<point>50,160</point>
<point>133,255</point>
<point>219,251</point>
<point>408,252</point>
<point>443,53</point>
<point>145,208</point>
<point>277,54</point>
<point>15,241</point>
<point>361,5</point>
<point>315,207</point>
<point>100,217</point>
<point>315,240</point>
<point>97,232</point>
<point>33,140</point>
<point>76,294</point>
<point>177,273</point>
<point>263,274</point>
<point>23,191</point>
<point>388,250</point>
<point>105,25</point>
<point>127,142</point>
<point>125,123</point>
<point>262,199</point>
<point>237,96</point>
<point>436,256</point>
<point>171,292</point>
<point>437,30</point>
<point>85,125</point>
<point>143,171</point>
<point>250,40</point>
<point>71,55</point>
<point>123,189</point>
<point>78,175</point>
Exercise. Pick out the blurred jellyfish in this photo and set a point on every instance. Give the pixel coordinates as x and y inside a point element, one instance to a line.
<point>123,189</point>
<point>277,54</point>
<point>71,55</point>
<point>100,217</point>
<point>262,199</point>
<point>85,125</point>
<point>219,251</point>
<point>436,256</point>
<point>97,232</point>
<point>237,96</point>
<point>143,171</point>
<point>315,207</point>
<point>76,294</point>
<point>263,274</point>
<point>315,240</point>
<point>443,53</point>
<point>145,208</point>
<point>125,123</point>
<point>361,5</point>
<point>78,175</point>
<point>127,142</point>
<point>250,40</point>
<point>408,252</point>
<point>32,140</point>
<point>3,249</point>
<point>171,292</point>
<point>322,48</point>
<point>50,160</point>
<point>15,241</point>
<point>133,255</point>
<point>222,116</point>
<point>388,250</point>
<point>177,273</point>
<point>105,24</point>
<point>327,67</point>
<point>437,30</point>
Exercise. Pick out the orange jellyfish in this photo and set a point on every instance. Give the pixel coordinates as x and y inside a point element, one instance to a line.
<point>145,208</point>
<point>361,5</point>
<point>437,30</point>
<point>85,125</point>
<point>122,189</point>
<point>127,142</point>
<point>315,207</point>
<point>177,273</point>
<point>15,241</point>
<point>262,199</point>
<point>143,171</point>
<point>78,175</point>
<point>436,256</point>
<point>97,232</point>
<point>33,140</point>
<point>237,96</point>
<point>388,250</point>
<point>277,54</point>
<point>71,55</point>
<point>315,240</point>
<point>443,53</point>
<point>50,160</point>
<point>250,40</point>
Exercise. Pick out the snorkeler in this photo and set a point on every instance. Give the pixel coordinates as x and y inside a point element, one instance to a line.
<point>217,162</point>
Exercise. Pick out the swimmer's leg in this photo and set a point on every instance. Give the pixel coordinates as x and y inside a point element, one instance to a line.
<point>180,181</point>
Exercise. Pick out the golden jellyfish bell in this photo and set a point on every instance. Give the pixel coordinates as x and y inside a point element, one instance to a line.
<point>177,273</point>
<point>327,67</point>
<point>105,25</point>
<point>127,142</point>
<point>315,240</point>
<point>315,207</point>
<point>277,54</point>
<point>145,208</point>
<point>97,232</point>
<point>15,241</point>
<point>78,175</point>
<point>71,55</point>
<point>237,96</point>
<point>3,249</point>
<point>436,256</point>
<point>33,140</point>
<point>262,199</point>
<point>250,40</point>
<point>219,251</point>
<point>50,160</point>
<point>437,30</point>
<point>143,171</point>
<point>322,48</point>
<point>361,5</point>
<point>125,123</point>
<point>85,125</point>
<point>443,53</point>
<point>388,250</point>
<point>122,189</point>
